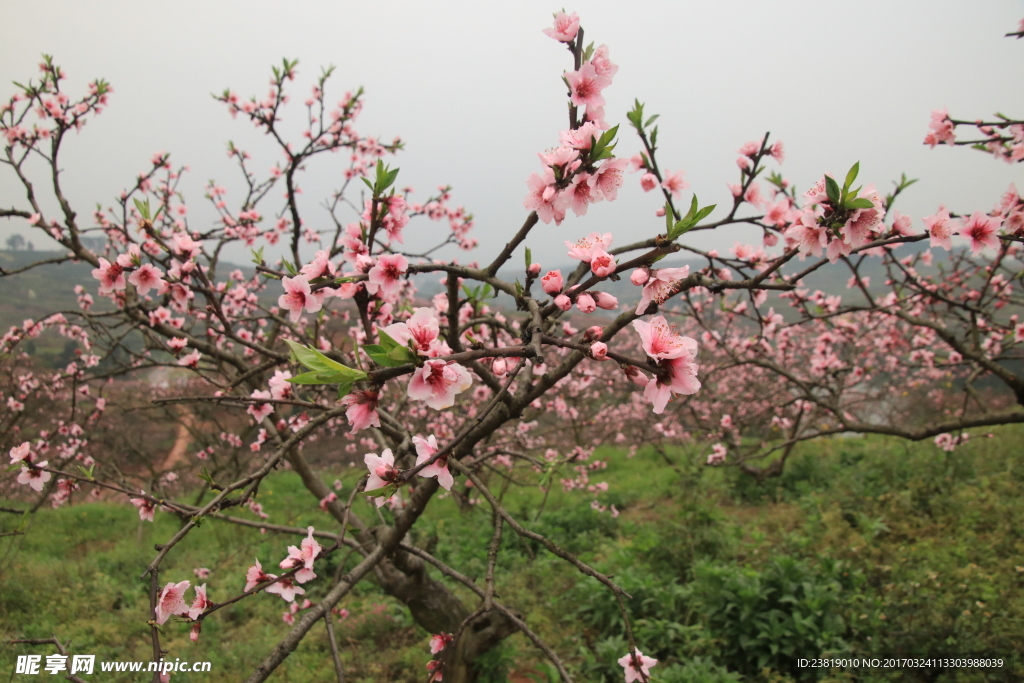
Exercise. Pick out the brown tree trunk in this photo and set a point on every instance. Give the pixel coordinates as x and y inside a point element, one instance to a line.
<point>438,610</point>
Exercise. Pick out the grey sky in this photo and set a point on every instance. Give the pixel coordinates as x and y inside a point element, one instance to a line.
<point>474,89</point>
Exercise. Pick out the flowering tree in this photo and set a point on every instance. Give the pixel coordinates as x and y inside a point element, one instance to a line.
<point>449,393</point>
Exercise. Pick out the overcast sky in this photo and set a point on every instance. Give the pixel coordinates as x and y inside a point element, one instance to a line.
<point>474,89</point>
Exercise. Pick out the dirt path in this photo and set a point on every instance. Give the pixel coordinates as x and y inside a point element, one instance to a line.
<point>181,442</point>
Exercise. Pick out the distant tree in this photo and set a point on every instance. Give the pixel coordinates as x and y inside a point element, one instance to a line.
<point>15,242</point>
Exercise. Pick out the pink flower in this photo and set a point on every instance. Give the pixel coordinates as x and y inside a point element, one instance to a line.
<point>320,266</point>
<point>778,213</point>
<point>34,476</point>
<point>439,641</point>
<point>718,454</point>
<point>303,557</point>
<point>941,228</point>
<point>145,508</point>
<point>110,275</point>
<point>678,376</point>
<point>255,576</point>
<point>582,193</point>
<point>660,285</point>
<point>171,602</point>
<point>201,572</point>
<point>809,237</point>
<point>940,129</point>
<point>545,198</point>
<point>326,501</point>
<point>584,250</point>
<point>648,181</point>
<point>426,448</point>
<point>199,604</point>
<point>422,329</point>
<point>287,589</point>
<point>191,360</point>
<point>602,264</point>
<point>599,351</point>
<point>565,28</point>
<point>777,152</point>
<point>385,276</point>
<point>260,410</point>
<point>362,409</point>
<point>382,472</point>
<point>608,178</point>
<point>661,341</point>
<point>585,86</point>
<point>21,453</point>
<point>901,225</point>
<point>297,297</point>
<point>552,282</point>
<point>981,230</point>
<point>675,183</point>
<point>147,277</point>
<point>637,666</point>
<point>438,382</point>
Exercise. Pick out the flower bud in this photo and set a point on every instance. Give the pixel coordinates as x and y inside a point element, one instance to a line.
<point>599,351</point>
<point>635,376</point>
<point>563,302</point>
<point>593,333</point>
<point>605,300</point>
<point>534,269</point>
<point>552,282</point>
<point>586,303</point>
<point>363,263</point>
<point>640,277</point>
<point>648,181</point>
<point>499,367</point>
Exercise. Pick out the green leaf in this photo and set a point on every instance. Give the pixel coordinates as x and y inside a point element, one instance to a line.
<point>588,53</point>
<point>334,365</point>
<point>402,355</point>
<point>832,189</point>
<point>143,208</point>
<point>257,256</point>
<point>343,389</point>
<point>386,341</point>
<point>384,359</point>
<point>322,377</point>
<point>385,492</point>
<point>859,203</point>
<point>304,355</point>
<point>851,175</point>
<point>325,370</point>
<point>651,120</point>
<point>703,213</point>
<point>529,258</point>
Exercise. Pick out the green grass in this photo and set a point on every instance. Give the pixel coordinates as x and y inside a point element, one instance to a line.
<point>872,544</point>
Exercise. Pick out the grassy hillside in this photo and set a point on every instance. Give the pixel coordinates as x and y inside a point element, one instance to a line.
<point>865,545</point>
